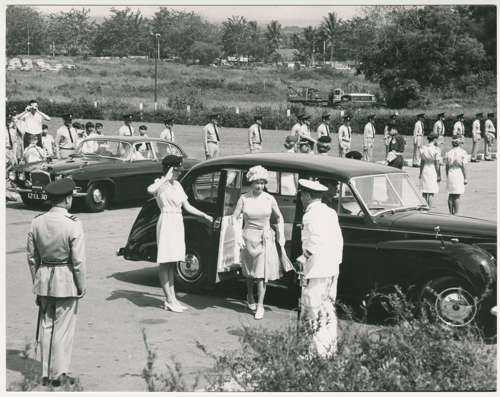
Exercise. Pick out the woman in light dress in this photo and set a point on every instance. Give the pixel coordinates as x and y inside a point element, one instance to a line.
<point>171,200</point>
<point>455,161</point>
<point>259,257</point>
<point>430,168</point>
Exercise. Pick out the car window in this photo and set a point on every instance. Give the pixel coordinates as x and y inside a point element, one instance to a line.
<point>142,151</point>
<point>273,185</point>
<point>205,187</point>
<point>348,204</point>
<point>104,148</point>
<point>288,181</point>
<point>164,148</point>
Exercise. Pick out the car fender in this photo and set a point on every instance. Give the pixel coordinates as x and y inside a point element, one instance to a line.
<point>468,262</point>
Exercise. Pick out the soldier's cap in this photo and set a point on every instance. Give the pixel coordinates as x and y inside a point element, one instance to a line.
<point>168,119</point>
<point>460,115</point>
<point>291,139</point>
<point>143,127</point>
<point>347,117</point>
<point>61,187</point>
<point>89,124</point>
<point>480,114</point>
<point>394,115</point>
<point>421,115</point>
<point>305,140</point>
<point>325,139</point>
<point>371,116</point>
<point>213,115</point>
<point>128,117</point>
<point>300,116</point>
<point>325,115</point>
<point>314,186</point>
<point>441,114</point>
<point>306,117</point>
<point>67,116</point>
<point>491,114</point>
<point>257,117</point>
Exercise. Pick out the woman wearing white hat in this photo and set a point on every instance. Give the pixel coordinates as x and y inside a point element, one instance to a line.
<point>259,256</point>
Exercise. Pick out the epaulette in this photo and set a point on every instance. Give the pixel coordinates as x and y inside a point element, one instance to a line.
<point>72,217</point>
<point>39,214</point>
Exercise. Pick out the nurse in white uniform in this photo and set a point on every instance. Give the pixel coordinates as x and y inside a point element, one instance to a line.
<point>171,200</point>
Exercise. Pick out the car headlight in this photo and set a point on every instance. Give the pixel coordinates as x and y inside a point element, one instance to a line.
<point>21,176</point>
<point>12,175</point>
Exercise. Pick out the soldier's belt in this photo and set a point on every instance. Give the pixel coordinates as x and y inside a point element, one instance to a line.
<point>54,263</point>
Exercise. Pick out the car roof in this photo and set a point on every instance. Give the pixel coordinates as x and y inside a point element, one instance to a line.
<point>341,168</point>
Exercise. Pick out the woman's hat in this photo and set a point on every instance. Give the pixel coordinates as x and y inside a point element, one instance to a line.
<point>257,173</point>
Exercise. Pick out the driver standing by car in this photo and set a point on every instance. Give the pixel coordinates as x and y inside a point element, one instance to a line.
<point>211,137</point>
<point>322,245</point>
<point>66,138</point>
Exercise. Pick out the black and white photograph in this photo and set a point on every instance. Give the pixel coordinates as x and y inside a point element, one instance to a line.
<point>216,197</point>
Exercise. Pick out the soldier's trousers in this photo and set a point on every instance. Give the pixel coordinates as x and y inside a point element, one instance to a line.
<point>57,329</point>
<point>475,146</point>
<point>212,150</point>
<point>416,154</point>
<point>368,153</point>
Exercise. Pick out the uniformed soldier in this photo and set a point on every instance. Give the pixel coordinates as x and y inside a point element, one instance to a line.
<point>297,126</point>
<point>126,129</point>
<point>323,146</point>
<point>304,128</point>
<point>66,138</point>
<point>489,138</point>
<point>291,143</point>
<point>418,138</point>
<point>322,245</point>
<point>168,132</point>
<point>56,259</point>
<point>476,136</point>
<point>369,138</point>
<point>439,128</point>
<point>211,137</point>
<point>387,131</point>
<point>306,145</point>
<point>255,135</point>
<point>324,128</point>
<point>459,128</point>
<point>345,133</point>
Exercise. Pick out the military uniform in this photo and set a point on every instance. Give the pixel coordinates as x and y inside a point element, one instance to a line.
<point>489,138</point>
<point>126,129</point>
<point>418,140</point>
<point>344,139</point>
<point>439,128</point>
<point>476,136</point>
<point>255,138</point>
<point>459,128</point>
<point>56,259</point>
<point>324,128</point>
<point>168,132</point>
<point>66,138</point>
<point>322,245</point>
<point>211,139</point>
<point>368,141</point>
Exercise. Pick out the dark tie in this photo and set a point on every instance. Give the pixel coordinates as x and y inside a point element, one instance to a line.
<point>327,129</point>
<point>70,136</point>
<point>216,133</point>
<point>349,130</point>
<point>130,130</point>
<point>260,134</point>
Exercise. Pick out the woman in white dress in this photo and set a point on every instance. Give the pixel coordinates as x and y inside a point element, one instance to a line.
<point>171,200</point>
<point>455,161</point>
<point>259,257</point>
<point>430,168</point>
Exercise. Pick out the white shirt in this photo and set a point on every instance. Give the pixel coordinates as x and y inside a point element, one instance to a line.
<point>344,134</point>
<point>322,238</point>
<point>48,144</point>
<point>296,129</point>
<point>12,132</point>
<point>368,134</point>
<point>489,126</point>
<point>304,130</point>
<point>90,146</point>
<point>33,154</point>
<point>418,131</point>
<point>126,130</point>
<point>66,137</point>
<point>323,130</point>
<point>31,123</point>
<point>458,128</point>
<point>211,133</point>
<point>168,134</point>
<point>438,127</point>
<point>476,128</point>
<point>254,135</point>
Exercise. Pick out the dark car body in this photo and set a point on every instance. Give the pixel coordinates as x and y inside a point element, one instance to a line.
<point>104,168</point>
<point>390,236</point>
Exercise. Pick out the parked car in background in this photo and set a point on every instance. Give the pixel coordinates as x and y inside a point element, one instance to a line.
<point>106,169</point>
<point>391,238</point>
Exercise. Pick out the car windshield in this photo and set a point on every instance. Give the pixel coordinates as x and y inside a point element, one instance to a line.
<point>105,148</point>
<point>387,192</point>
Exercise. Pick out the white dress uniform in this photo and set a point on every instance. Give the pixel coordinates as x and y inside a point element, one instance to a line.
<point>170,227</point>
<point>56,259</point>
<point>459,129</point>
<point>429,154</point>
<point>344,139</point>
<point>476,138</point>
<point>296,129</point>
<point>439,129</point>
<point>323,130</point>
<point>368,141</point>
<point>322,245</point>
<point>418,140</point>
<point>455,159</point>
<point>66,141</point>
<point>48,144</point>
<point>168,134</point>
<point>489,132</point>
<point>211,140</point>
<point>304,130</point>
<point>126,130</point>
<point>255,138</point>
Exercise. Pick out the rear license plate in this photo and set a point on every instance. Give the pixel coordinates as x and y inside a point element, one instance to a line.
<point>37,196</point>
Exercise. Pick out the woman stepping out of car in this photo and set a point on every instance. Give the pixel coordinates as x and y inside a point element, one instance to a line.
<point>259,256</point>
<point>171,200</point>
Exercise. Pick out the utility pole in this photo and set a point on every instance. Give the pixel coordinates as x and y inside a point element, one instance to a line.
<point>53,49</point>
<point>157,36</point>
<point>324,49</point>
<point>28,39</point>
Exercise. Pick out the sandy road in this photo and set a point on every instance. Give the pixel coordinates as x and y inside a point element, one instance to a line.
<point>124,297</point>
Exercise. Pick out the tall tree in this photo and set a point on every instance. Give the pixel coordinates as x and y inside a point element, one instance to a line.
<point>24,22</point>
<point>329,26</point>
<point>242,37</point>
<point>273,35</point>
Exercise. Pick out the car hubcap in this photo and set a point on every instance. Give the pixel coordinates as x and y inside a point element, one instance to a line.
<point>456,307</point>
<point>190,270</point>
<point>97,196</point>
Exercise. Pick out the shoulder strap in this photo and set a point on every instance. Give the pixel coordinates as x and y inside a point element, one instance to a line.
<point>72,217</point>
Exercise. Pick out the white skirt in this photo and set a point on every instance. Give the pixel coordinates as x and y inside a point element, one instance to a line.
<point>170,237</point>
<point>429,179</point>
<point>455,183</point>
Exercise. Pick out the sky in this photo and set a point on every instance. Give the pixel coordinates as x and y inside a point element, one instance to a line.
<point>287,15</point>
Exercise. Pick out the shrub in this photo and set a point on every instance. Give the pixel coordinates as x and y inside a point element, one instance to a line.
<point>399,92</point>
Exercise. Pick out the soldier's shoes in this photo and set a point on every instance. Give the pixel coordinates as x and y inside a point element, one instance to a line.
<point>172,307</point>
<point>259,314</point>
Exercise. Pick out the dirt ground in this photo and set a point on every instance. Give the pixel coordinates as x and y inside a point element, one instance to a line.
<point>124,297</point>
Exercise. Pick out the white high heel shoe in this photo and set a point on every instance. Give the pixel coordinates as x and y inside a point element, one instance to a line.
<point>172,307</point>
<point>259,314</point>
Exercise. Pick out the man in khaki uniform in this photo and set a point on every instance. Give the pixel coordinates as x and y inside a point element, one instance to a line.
<point>324,128</point>
<point>168,132</point>
<point>369,138</point>
<point>489,136</point>
<point>476,136</point>
<point>458,127</point>
<point>439,128</point>
<point>56,259</point>
<point>418,139</point>
<point>255,135</point>
<point>211,137</point>
<point>345,134</point>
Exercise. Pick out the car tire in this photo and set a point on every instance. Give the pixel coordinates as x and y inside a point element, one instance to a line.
<point>97,198</point>
<point>449,301</point>
<point>30,203</point>
<point>191,275</point>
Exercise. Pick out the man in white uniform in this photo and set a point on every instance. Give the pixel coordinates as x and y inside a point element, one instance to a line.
<point>255,135</point>
<point>48,142</point>
<point>126,129</point>
<point>66,138</point>
<point>168,132</point>
<point>305,131</point>
<point>439,128</point>
<point>297,126</point>
<point>324,128</point>
<point>211,137</point>
<point>458,127</point>
<point>345,133</point>
<point>30,122</point>
<point>322,245</point>
<point>369,138</point>
<point>387,132</point>
<point>476,136</point>
<point>418,139</point>
<point>489,136</point>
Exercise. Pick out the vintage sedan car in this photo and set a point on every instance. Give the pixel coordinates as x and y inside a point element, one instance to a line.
<point>105,169</point>
<point>390,236</point>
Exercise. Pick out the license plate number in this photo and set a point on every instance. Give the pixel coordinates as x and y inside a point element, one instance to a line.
<point>37,196</point>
